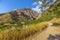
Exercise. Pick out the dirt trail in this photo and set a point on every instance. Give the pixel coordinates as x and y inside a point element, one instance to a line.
<point>45,34</point>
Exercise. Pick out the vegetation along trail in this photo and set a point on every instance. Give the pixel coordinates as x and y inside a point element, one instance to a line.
<point>48,34</point>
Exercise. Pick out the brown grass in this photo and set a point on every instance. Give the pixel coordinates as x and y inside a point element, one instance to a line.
<point>24,32</point>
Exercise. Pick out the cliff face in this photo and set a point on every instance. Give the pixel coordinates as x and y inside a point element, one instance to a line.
<point>19,15</point>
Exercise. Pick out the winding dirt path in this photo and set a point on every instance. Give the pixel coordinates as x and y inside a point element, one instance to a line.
<point>45,34</point>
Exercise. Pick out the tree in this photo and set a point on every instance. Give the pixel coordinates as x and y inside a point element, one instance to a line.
<point>45,3</point>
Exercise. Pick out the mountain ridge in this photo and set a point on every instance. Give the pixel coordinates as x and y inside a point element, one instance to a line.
<point>19,15</point>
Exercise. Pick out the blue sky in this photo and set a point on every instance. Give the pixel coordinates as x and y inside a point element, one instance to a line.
<point>9,5</point>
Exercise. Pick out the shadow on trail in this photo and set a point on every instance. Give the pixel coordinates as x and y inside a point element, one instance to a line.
<point>54,37</point>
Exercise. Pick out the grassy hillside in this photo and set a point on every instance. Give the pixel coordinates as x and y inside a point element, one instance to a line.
<point>52,12</point>
<point>12,30</point>
<point>18,34</point>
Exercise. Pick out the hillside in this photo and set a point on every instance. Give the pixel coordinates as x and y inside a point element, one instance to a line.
<point>19,15</point>
<point>53,11</point>
<point>52,16</point>
<point>50,33</point>
<point>22,24</point>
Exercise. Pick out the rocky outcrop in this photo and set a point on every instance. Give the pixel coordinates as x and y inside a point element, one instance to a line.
<point>19,15</point>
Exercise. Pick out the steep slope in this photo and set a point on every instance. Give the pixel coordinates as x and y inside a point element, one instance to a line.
<point>18,15</point>
<point>51,33</point>
<point>52,12</point>
<point>10,31</point>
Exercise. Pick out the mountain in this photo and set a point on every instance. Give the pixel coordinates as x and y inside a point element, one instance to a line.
<point>29,15</point>
<point>18,15</point>
<point>20,24</point>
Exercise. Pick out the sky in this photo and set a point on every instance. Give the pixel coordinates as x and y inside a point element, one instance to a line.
<point>9,5</point>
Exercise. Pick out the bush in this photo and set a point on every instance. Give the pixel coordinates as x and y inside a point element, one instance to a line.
<point>56,24</point>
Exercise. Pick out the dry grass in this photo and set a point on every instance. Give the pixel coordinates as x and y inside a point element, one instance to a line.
<point>55,20</point>
<point>24,32</point>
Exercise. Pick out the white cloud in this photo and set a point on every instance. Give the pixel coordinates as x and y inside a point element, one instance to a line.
<point>35,3</point>
<point>37,8</point>
<point>55,0</point>
<point>14,9</point>
<point>40,2</point>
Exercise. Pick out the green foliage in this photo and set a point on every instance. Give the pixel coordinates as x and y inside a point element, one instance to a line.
<point>45,3</point>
